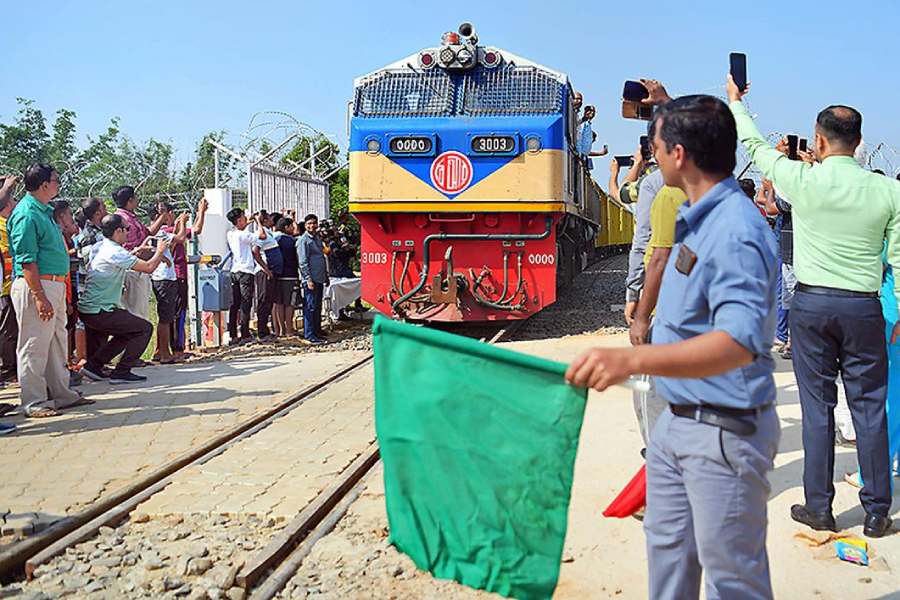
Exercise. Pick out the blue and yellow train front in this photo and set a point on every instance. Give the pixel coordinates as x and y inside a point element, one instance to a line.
<point>460,216</point>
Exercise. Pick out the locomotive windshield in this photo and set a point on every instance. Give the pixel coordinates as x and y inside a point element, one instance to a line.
<point>505,90</point>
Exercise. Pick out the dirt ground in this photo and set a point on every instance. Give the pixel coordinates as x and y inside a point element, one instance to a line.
<point>605,558</point>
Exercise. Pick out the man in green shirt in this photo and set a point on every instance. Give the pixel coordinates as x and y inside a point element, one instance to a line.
<point>40,267</point>
<point>841,215</point>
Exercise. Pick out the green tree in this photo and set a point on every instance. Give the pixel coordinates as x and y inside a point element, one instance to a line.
<point>339,192</point>
<point>62,151</point>
<point>26,141</point>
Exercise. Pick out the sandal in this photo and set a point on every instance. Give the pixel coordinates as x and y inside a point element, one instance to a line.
<point>42,413</point>
<point>82,402</point>
<point>854,479</point>
<point>172,361</point>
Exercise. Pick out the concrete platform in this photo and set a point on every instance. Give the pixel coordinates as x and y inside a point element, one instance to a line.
<point>606,558</point>
<point>279,470</point>
<point>53,467</point>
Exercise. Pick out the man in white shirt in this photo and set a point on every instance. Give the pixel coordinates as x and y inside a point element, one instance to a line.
<point>165,284</point>
<point>243,267</point>
<point>101,308</point>
<point>263,250</point>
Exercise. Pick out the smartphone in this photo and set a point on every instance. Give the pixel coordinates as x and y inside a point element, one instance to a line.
<point>793,142</point>
<point>645,148</point>
<point>636,110</point>
<point>739,69</point>
<point>625,161</point>
<point>635,91</point>
<point>802,144</point>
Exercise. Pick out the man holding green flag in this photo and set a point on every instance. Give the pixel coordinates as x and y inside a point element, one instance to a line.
<point>710,452</point>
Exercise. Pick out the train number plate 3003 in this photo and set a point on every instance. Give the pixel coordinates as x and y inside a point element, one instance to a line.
<point>493,144</point>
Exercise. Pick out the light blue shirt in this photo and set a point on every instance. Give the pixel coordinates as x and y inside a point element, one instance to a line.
<point>649,187</point>
<point>311,259</point>
<point>731,288</point>
<point>585,142</point>
<point>102,290</point>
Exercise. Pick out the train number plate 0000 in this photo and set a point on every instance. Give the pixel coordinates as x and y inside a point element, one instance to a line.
<point>490,144</point>
<point>411,145</point>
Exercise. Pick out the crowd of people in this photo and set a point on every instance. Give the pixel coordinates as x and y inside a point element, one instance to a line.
<point>723,275</point>
<point>278,265</point>
<point>76,290</point>
<point>76,287</point>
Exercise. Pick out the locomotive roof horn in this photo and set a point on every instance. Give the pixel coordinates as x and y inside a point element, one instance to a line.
<point>467,30</point>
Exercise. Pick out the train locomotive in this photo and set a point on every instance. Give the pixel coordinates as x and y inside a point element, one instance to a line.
<point>473,202</point>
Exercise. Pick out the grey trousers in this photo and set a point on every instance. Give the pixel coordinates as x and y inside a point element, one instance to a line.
<point>648,406</point>
<point>136,295</point>
<point>42,348</point>
<point>706,509</point>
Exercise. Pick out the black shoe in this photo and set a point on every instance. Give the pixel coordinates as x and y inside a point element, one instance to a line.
<point>818,521</point>
<point>876,525</point>
<point>94,373</point>
<point>126,377</point>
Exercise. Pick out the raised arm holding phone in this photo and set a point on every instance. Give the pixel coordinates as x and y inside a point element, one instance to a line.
<point>842,217</point>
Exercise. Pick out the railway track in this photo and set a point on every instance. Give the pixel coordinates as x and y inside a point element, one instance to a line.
<point>269,568</point>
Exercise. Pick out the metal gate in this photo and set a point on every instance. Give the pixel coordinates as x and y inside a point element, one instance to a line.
<point>277,192</point>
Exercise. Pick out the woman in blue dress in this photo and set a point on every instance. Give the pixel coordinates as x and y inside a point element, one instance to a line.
<point>890,310</point>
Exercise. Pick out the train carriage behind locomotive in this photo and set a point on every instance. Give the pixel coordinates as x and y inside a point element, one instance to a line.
<point>473,202</point>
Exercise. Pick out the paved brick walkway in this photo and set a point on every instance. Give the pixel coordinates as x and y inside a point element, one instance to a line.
<point>52,467</point>
<point>279,470</point>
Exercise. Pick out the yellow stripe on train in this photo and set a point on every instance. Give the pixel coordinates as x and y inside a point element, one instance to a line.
<point>452,206</point>
<point>535,177</point>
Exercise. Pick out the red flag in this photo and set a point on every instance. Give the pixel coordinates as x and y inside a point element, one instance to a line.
<point>631,499</point>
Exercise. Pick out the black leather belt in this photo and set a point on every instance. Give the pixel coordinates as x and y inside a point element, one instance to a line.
<point>827,291</point>
<point>736,420</point>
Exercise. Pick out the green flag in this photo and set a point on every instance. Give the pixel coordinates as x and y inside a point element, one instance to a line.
<point>478,445</point>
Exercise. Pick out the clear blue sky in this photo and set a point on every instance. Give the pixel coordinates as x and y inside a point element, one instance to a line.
<point>176,69</point>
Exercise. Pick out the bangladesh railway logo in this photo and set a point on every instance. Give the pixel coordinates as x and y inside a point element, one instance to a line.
<point>451,172</point>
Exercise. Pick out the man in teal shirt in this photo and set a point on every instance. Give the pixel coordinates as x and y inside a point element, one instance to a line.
<point>842,215</point>
<point>40,267</point>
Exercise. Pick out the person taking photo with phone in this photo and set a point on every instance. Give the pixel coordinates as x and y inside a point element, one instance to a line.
<point>841,216</point>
